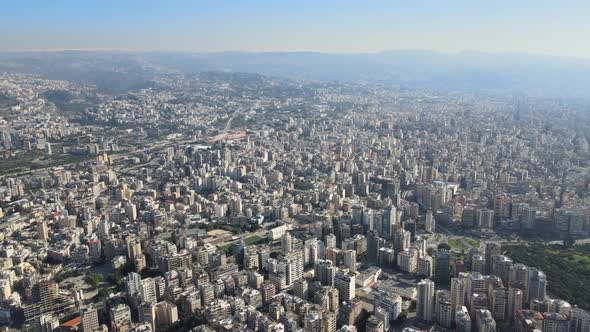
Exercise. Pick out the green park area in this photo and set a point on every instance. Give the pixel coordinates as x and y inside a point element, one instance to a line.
<point>463,244</point>
<point>474,243</point>
<point>255,239</point>
<point>455,244</point>
<point>36,160</point>
<point>567,268</point>
<point>252,240</point>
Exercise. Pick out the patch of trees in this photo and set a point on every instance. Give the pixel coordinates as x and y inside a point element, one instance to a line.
<point>567,269</point>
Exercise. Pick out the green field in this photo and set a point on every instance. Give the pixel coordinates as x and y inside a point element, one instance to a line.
<point>456,244</point>
<point>235,229</point>
<point>474,243</point>
<point>21,162</point>
<point>35,160</point>
<point>253,240</point>
<point>567,268</point>
<point>462,245</point>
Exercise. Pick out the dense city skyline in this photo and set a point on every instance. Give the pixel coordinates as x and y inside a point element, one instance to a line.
<point>156,200</point>
<point>170,185</point>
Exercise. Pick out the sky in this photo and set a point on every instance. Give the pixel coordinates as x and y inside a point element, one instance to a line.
<point>558,27</point>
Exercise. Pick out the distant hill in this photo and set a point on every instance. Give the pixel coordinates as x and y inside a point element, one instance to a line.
<point>110,72</point>
<point>467,72</point>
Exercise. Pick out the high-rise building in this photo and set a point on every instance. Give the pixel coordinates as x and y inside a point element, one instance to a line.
<point>425,303</point>
<point>349,312</point>
<point>557,305</point>
<point>430,223</point>
<point>312,322</point>
<point>174,261</point>
<point>386,257</point>
<point>537,285</point>
<point>374,242</point>
<point>497,302</point>
<point>478,263</point>
<point>331,241</point>
<point>391,303</point>
<point>374,324</point>
<point>325,272</point>
<point>286,242</point>
<point>492,248</point>
<point>251,260</point>
<point>166,314</point>
<point>5,289</point>
<point>148,292</point>
<point>350,260</point>
<point>407,260</point>
<point>443,309</point>
<point>484,218</point>
<point>513,302</point>
<point>279,279</point>
<point>443,266</point>
<point>344,282</point>
<point>268,290</point>
<point>421,243</point>
<point>327,297</point>
<point>300,289</point>
<point>190,302</point>
<point>555,322</point>
<point>160,286</point>
<point>462,320</point>
<point>120,317</point>
<point>476,283</point>
<point>207,293</point>
<point>478,301</point>
<point>48,323</point>
<point>580,320</point>
<point>382,315</point>
<point>89,318</point>
<point>333,254</point>
<point>502,206</point>
<point>519,274</point>
<point>311,250</point>
<point>44,295</point>
<point>131,211</point>
<point>484,321</point>
<point>329,322</point>
<point>528,217</point>
<point>291,264</point>
<point>458,292</point>
<point>217,310</point>
<point>133,284</point>
<point>401,240</point>
<point>252,297</point>
<point>425,266</point>
<point>42,231</point>
<point>255,279</point>
<point>147,314</point>
<point>275,310</point>
<point>501,267</point>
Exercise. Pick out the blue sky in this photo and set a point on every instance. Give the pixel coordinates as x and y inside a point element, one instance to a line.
<point>540,27</point>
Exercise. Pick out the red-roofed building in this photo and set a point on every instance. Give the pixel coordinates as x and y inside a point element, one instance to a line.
<point>71,325</point>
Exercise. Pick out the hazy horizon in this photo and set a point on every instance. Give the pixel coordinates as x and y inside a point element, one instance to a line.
<point>229,51</point>
<point>336,27</point>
